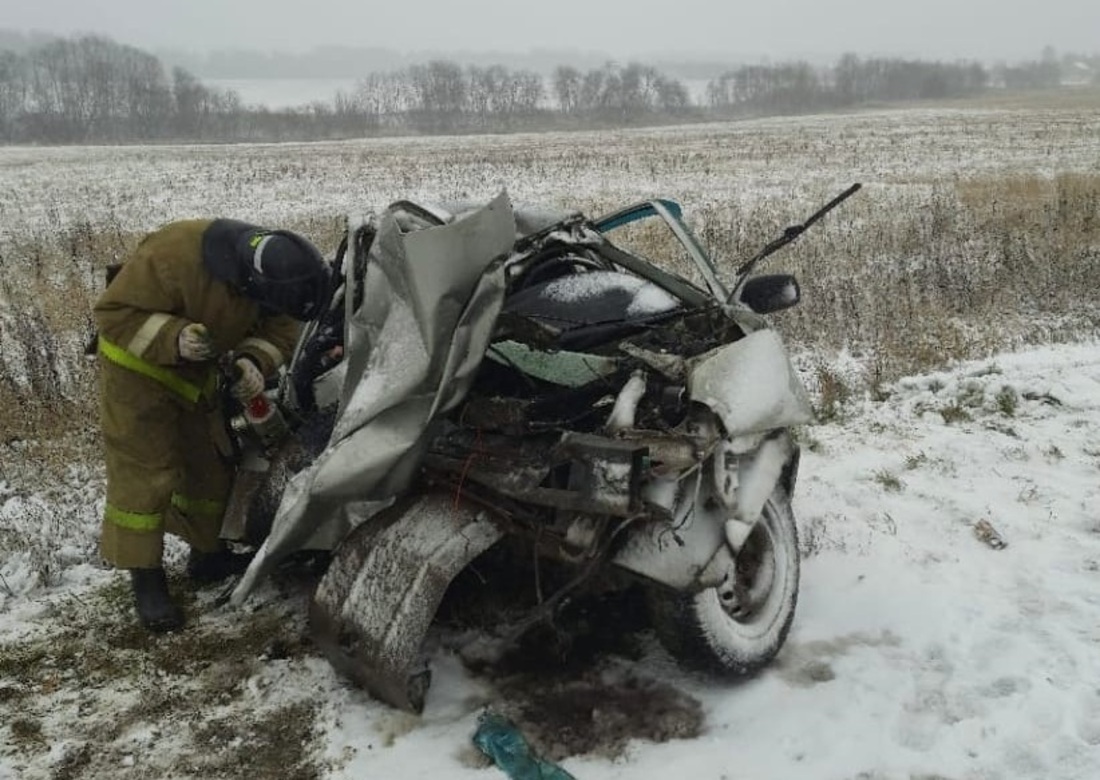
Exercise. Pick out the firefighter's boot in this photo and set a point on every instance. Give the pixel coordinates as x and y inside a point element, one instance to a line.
<point>155,608</point>
<point>205,568</point>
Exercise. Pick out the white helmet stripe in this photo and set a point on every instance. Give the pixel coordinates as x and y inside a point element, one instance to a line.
<point>257,256</point>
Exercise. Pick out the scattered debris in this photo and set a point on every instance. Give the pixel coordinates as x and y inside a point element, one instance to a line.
<point>1045,398</point>
<point>985,531</point>
<point>499,739</point>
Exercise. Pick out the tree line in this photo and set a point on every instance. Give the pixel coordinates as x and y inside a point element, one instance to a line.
<point>797,87</point>
<point>93,90</point>
<point>442,96</point>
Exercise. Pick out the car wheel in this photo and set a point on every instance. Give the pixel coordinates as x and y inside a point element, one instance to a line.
<point>738,627</point>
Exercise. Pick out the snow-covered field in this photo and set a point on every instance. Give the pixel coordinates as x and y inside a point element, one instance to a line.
<point>138,188</point>
<point>918,650</point>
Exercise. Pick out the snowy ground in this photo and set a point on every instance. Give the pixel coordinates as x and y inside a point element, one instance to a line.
<point>918,651</point>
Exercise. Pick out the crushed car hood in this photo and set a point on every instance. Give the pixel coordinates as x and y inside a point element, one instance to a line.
<point>430,300</point>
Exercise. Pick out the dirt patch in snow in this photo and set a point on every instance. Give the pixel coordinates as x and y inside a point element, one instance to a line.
<point>571,683</point>
<point>91,695</point>
<point>98,697</point>
<point>598,713</point>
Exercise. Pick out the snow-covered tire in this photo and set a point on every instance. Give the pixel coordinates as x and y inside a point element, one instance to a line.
<point>709,631</point>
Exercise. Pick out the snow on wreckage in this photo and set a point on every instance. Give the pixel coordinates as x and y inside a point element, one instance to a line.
<point>491,378</point>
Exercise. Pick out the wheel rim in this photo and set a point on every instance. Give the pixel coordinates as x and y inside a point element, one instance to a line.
<point>747,598</point>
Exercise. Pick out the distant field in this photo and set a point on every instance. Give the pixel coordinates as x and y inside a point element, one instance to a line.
<point>977,228</point>
<point>1072,97</point>
<point>725,166</point>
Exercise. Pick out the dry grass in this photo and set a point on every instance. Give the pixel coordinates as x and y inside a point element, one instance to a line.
<point>975,232</point>
<point>979,265</point>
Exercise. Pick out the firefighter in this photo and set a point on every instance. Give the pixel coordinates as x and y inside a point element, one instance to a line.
<point>193,297</point>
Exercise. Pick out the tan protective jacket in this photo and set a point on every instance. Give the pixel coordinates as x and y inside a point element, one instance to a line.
<point>163,286</point>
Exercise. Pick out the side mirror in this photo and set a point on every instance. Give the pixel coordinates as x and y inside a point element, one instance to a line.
<point>773,292</point>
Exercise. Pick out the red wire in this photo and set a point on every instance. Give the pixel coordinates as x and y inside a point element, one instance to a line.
<point>466,468</point>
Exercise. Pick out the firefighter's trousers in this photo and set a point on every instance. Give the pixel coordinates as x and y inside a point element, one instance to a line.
<point>164,470</point>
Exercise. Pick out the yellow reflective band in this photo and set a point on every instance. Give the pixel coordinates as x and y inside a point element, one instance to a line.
<point>198,506</point>
<point>169,379</point>
<point>135,521</point>
<point>145,335</point>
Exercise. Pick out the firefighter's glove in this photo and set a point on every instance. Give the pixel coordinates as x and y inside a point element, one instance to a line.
<point>249,381</point>
<point>195,344</point>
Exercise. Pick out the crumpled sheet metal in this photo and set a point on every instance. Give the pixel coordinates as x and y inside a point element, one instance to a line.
<point>431,298</point>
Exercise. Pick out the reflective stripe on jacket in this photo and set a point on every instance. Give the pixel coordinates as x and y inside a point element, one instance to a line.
<point>164,376</point>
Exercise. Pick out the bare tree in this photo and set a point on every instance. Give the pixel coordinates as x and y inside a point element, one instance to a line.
<point>440,91</point>
<point>567,88</point>
<point>13,93</point>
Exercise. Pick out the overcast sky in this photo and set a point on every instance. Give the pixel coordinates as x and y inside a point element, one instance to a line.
<point>1013,29</point>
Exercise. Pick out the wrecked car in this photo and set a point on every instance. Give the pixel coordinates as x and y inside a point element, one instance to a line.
<point>488,372</point>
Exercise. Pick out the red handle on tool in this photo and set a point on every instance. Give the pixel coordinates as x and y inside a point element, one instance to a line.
<point>259,407</point>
